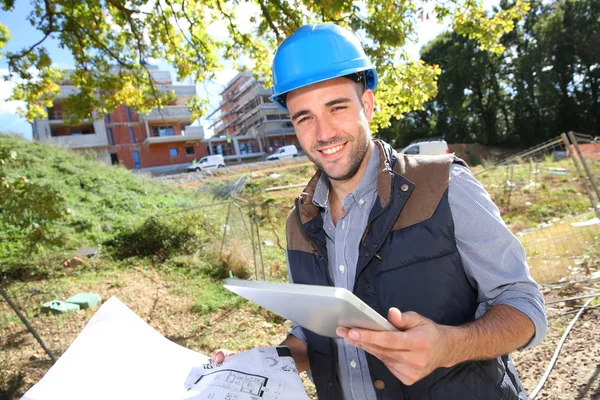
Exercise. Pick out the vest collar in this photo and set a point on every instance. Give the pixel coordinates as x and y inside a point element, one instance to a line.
<point>308,211</point>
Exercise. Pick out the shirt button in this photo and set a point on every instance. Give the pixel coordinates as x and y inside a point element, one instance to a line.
<point>404,187</point>
<point>379,384</point>
<point>341,268</point>
<point>353,364</point>
<point>361,202</point>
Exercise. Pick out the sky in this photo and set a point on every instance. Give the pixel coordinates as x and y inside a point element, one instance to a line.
<point>24,35</point>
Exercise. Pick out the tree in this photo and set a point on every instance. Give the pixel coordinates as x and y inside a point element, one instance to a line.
<point>545,83</point>
<point>103,33</point>
<point>27,212</point>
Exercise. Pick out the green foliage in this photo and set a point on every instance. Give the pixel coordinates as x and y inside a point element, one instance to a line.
<point>27,208</point>
<point>214,297</point>
<point>101,34</point>
<point>546,82</point>
<point>72,201</point>
<point>161,238</point>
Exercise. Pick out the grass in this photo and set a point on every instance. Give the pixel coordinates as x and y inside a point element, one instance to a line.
<point>213,298</point>
<point>99,201</point>
<point>539,202</point>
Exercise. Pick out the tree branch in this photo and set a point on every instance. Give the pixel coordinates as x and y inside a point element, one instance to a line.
<point>267,16</point>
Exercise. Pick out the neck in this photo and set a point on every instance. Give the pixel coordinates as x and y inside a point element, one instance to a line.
<point>339,189</point>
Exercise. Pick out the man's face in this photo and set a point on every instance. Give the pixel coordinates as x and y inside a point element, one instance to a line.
<point>332,125</point>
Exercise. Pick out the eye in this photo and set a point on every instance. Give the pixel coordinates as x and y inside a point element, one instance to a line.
<point>338,108</point>
<point>303,119</point>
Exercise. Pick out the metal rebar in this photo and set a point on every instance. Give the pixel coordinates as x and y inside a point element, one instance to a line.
<point>587,296</point>
<point>225,229</point>
<point>253,248</point>
<point>26,323</point>
<point>585,165</point>
<point>262,261</point>
<point>572,312</point>
<point>557,351</point>
<point>535,184</point>
<point>510,186</point>
<point>581,175</point>
<point>558,285</point>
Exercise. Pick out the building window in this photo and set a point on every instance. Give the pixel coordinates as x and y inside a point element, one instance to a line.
<point>164,130</point>
<point>107,118</point>
<point>173,152</point>
<point>128,112</point>
<point>131,135</point>
<point>136,159</point>
<point>189,150</point>
<point>110,137</point>
<point>114,158</point>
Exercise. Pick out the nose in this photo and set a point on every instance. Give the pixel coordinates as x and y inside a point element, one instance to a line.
<point>325,130</point>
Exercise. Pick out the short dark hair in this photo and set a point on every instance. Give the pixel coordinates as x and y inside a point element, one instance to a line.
<point>360,85</point>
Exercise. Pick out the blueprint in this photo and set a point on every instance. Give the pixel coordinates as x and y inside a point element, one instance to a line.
<point>119,356</point>
<point>264,373</point>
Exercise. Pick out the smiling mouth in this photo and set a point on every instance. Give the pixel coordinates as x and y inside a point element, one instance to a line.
<point>332,150</point>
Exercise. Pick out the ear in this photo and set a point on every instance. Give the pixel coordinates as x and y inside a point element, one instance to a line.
<point>368,100</point>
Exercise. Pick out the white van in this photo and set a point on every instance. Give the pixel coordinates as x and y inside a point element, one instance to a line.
<point>429,146</point>
<point>207,162</point>
<point>284,152</point>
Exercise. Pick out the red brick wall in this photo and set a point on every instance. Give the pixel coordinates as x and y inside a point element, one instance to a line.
<point>120,115</point>
<point>229,105</point>
<point>292,139</point>
<point>157,155</point>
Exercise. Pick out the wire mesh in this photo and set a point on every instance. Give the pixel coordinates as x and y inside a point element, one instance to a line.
<point>547,199</point>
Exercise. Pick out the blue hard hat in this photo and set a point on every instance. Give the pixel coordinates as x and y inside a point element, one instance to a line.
<point>316,53</point>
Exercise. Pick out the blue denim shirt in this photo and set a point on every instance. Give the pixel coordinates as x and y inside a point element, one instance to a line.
<point>493,258</point>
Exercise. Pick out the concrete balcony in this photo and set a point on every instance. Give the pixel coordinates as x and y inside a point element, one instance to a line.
<point>79,141</point>
<point>194,131</point>
<point>180,90</point>
<point>173,139</point>
<point>43,132</point>
<point>180,114</point>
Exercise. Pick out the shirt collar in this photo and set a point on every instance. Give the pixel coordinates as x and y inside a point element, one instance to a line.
<point>367,183</point>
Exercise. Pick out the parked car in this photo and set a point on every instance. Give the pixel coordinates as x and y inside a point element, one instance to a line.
<point>284,152</point>
<point>429,146</point>
<point>215,161</point>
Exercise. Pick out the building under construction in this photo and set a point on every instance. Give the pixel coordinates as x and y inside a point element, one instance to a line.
<point>247,124</point>
<point>159,141</point>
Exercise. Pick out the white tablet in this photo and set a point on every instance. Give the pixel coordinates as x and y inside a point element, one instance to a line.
<point>320,309</point>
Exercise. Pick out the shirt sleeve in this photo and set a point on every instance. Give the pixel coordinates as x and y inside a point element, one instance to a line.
<point>493,258</point>
<point>297,330</point>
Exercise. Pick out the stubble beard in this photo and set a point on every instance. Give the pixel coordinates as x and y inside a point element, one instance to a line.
<point>356,157</point>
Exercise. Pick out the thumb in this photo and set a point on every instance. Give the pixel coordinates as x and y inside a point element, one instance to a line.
<point>404,321</point>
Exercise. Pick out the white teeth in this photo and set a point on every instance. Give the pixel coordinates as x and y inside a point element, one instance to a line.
<point>332,150</point>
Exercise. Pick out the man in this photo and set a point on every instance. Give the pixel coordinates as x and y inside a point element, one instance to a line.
<point>417,238</point>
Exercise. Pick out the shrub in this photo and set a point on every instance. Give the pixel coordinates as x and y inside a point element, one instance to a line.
<point>161,238</point>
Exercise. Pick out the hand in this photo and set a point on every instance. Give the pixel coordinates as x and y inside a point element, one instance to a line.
<point>220,355</point>
<point>411,354</point>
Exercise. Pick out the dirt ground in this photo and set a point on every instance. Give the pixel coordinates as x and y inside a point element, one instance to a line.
<point>156,300</point>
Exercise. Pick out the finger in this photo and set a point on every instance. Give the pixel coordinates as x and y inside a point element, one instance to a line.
<point>404,321</point>
<point>387,340</point>
<point>342,332</point>
<point>218,356</point>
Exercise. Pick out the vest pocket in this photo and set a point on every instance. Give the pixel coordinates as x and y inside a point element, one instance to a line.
<point>469,382</point>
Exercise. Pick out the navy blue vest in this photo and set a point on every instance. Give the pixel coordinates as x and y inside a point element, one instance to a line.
<point>408,259</point>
